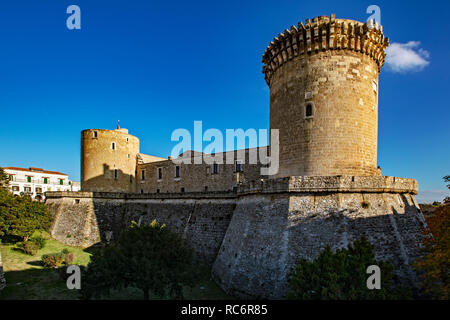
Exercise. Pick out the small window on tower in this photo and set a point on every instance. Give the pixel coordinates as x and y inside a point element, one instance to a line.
<point>142,174</point>
<point>159,173</point>
<point>309,110</point>
<point>113,146</point>
<point>177,171</point>
<point>116,174</point>
<point>94,134</point>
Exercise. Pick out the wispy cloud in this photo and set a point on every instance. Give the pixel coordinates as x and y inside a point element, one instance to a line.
<point>406,57</point>
<point>429,196</point>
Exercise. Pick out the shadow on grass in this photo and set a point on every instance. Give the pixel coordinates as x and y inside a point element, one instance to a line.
<point>50,284</point>
<point>36,263</point>
<point>36,284</point>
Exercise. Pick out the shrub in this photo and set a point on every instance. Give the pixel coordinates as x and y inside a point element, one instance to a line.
<point>341,275</point>
<point>53,260</point>
<point>68,258</point>
<point>365,204</point>
<point>39,241</point>
<point>28,247</point>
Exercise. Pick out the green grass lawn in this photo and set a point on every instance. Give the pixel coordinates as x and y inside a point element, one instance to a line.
<point>27,278</point>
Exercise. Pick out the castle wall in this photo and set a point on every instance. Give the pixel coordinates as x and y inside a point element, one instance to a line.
<point>291,219</point>
<point>85,218</point>
<point>254,237</point>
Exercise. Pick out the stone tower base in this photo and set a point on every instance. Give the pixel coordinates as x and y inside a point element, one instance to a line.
<point>277,222</point>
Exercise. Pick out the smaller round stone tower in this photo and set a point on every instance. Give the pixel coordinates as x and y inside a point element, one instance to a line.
<point>108,160</point>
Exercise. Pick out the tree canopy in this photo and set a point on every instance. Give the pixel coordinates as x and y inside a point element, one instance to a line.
<point>342,275</point>
<point>21,216</point>
<point>151,258</point>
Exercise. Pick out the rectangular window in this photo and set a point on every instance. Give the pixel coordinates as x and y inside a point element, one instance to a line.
<point>239,166</point>
<point>61,181</point>
<point>45,180</point>
<point>28,179</point>
<point>27,189</point>
<point>115,174</point>
<point>159,173</point>
<point>142,174</point>
<point>157,190</point>
<point>94,134</point>
<point>177,171</point>
<point>113,146</point>
<point>15,188</point>
<point>182,189</point>
<point>215,168</point>
<point>38,190</point>
<point>11,177</point>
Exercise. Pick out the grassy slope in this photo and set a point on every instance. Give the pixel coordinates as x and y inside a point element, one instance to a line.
<point>28,279</point>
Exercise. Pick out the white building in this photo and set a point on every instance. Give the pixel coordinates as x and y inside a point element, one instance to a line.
<point>36,181</point>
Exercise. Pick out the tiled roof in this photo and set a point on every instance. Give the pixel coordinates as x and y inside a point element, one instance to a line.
<point>31,169</point>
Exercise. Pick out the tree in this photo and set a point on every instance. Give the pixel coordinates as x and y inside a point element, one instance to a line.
<point>341,275</point>
<point>434,266</point>
<point>3,179</point>
<point>21,216</point>
<point>151,258</point>
<point>447,180</point>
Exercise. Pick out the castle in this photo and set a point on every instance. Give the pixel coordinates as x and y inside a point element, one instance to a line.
<point>251,229</point>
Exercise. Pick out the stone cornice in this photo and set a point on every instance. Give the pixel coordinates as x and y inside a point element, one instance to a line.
<point>295,184</point>
<point>325,33</point>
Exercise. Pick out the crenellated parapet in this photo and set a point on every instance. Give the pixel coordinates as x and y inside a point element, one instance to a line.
<point>325,33</point>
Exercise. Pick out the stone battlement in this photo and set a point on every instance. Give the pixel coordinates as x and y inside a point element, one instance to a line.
<point>325,33</point>
<point>339,184</point>
<point>303,184</point>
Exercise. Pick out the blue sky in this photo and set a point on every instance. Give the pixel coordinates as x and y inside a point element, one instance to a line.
<point>160,65</point>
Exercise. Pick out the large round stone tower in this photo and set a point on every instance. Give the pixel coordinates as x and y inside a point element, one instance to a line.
<point>108,160</point>
<point>323,79</point>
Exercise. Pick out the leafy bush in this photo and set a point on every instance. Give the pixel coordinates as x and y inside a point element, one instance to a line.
<point>53,260</point>
<point>341,275</point>
<point>39,241</point>
<point>68,258</point>
<point>28,247</point>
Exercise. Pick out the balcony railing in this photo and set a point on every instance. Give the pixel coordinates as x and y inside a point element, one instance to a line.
<point>41,181</point>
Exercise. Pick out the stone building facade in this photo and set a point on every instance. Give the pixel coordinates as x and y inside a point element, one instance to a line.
<point>252,229</point>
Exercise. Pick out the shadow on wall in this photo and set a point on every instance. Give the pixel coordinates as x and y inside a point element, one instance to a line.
<point>112,180</point>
